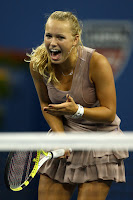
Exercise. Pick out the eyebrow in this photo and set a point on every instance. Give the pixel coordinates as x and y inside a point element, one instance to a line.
<point>58,34</point>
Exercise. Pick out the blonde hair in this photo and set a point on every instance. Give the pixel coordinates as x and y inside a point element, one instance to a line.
<point>39,56</point>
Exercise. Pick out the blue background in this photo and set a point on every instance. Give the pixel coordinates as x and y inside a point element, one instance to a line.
<point>22,28</point>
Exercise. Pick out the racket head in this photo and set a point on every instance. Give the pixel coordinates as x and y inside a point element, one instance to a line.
<point>20,169</point>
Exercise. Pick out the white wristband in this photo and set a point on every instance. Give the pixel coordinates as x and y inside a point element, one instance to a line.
<point>79,112</point>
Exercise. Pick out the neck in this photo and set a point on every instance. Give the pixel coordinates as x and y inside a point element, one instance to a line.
<point>69,65</point>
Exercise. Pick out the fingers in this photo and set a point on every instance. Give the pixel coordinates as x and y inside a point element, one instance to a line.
<point>62,105</point>
<point>69,98</point>
<point>67,154</point>
<point>53,108</point>
<point>57,106</point>
<point>67,107</point>
<point>54,111</point>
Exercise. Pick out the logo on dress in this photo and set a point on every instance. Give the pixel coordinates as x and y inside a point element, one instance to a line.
<point>113,39</point>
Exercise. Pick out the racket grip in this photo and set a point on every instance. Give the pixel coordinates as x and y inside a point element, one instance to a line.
<point>57,153</point>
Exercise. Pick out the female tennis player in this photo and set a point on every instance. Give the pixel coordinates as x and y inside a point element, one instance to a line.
<point>76,89</point>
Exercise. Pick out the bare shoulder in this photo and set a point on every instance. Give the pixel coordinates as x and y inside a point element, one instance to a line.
<point>31,67</point>
<point>99,65</point>
<point>98,60</point>
<point>35,74</point>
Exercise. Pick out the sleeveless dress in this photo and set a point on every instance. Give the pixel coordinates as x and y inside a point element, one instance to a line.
<point>83,166</point>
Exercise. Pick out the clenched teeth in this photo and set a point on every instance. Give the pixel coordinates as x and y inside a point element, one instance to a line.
<point>55,51</point>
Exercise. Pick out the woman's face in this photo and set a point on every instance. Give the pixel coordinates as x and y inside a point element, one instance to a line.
<point>58,40</point>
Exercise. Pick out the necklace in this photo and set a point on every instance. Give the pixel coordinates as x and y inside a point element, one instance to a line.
<point>70,74</point>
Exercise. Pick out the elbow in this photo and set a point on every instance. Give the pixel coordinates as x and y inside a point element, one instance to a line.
<point>111,117</point>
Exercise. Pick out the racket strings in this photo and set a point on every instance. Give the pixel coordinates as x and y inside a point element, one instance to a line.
<point>28,162</point>
<point>22,165</point>
<point>17,168</point>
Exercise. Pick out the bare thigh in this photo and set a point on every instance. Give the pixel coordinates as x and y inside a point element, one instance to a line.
<point>53,190</point>
<point>96,190</point>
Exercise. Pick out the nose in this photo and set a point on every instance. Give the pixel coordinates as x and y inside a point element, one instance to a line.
<point>53,41</point>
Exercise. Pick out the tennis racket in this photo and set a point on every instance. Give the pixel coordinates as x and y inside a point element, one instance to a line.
<point>22,166</point>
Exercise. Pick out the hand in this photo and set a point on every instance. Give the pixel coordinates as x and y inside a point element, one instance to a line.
<point>67,108</point>
<point>67,153</point>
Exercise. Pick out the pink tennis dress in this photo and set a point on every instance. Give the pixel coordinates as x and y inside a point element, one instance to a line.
<point>83,166</point>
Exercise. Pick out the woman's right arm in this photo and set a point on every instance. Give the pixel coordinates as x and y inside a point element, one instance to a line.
<point>55,122</point>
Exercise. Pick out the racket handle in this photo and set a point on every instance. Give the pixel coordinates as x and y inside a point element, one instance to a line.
<point>57,153</point>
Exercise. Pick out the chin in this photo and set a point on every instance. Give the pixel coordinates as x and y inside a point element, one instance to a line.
<point>57,61</point>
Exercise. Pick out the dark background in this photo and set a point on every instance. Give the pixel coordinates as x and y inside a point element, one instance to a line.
<point>22,28</point>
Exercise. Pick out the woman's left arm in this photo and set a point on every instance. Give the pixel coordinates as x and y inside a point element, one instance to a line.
<point>102,77</point>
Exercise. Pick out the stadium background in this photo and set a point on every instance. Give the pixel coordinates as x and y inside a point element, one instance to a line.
<point>22,27</point>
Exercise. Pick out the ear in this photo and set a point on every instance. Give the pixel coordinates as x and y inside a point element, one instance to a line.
<point>76,40</point>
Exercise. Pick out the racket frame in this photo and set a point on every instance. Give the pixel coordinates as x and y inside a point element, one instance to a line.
<point>35,169</point>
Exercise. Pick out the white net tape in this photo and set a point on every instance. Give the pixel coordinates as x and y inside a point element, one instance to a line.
<point>76,141</point>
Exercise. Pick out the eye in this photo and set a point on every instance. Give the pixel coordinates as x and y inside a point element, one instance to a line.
<point>48,36</point>
<point>60,37</point>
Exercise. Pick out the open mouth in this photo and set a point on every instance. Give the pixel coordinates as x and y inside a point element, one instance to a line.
<point>55,54</point>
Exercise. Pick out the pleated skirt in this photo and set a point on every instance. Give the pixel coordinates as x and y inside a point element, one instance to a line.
<point>85,166</point>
